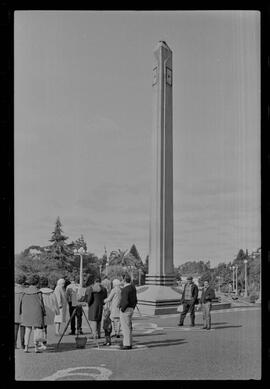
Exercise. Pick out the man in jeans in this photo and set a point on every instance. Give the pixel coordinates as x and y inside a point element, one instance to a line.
<point>189,298</point>
<point>127,304</point>
<point>208,294</point>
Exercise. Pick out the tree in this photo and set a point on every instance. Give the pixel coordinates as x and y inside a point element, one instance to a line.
<point>240,256</point>
<point>59,250</point>
<point>133,250</point>
<point>80,242</point>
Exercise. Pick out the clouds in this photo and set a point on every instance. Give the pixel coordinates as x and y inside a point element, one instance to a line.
<point>83,117</point>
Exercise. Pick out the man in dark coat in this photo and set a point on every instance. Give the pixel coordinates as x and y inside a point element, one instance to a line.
<point>127,304</point>
<point>208,294</point>
<point>189,299</point>
<point>94,296</point>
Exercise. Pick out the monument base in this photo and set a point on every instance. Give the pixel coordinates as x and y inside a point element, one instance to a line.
<point>158,300</point>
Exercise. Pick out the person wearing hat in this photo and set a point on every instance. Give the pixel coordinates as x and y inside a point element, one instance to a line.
<point>189,299</point>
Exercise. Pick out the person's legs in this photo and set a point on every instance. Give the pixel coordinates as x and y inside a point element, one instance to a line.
<point>93,325</point>
<point>183,314</point>
<point>208,315</point>
<point>57,328</point>
<point>79,318</point>
<point>17,325</point>
<point>37,338</point>
<point>116,326</point>
<point>130,314</point>
<point>22,333</point>
<point>43,344</point>
<point>72,321</point>
<point>107,338</point>
<point>204,315</point>
<point>192,314</point>
<point>126,325</point>
<point>98,328</point>
<point>28,331</point>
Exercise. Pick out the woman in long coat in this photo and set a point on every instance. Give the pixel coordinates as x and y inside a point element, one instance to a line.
<point>32,311</point>
<point>50,303</point>
<point>94,296</point>
<point>60,294</point>
<point>114,301</point>
<point>19,291</point>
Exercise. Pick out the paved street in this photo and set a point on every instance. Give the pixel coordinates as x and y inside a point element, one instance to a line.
<point>162,351</point>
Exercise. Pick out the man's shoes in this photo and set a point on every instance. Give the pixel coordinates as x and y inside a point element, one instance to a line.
<point>107,344</point>
<point>125,347</point>
<point>180,324</point>
<point>208,328</point>
<point>204,328</point>
<point>72,333</point>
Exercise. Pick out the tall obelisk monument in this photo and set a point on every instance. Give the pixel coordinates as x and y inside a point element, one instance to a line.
<point>159,297</point>
<point>161,219</point>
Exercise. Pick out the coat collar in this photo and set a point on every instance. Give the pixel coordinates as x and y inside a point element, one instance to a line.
<point>32,289</point>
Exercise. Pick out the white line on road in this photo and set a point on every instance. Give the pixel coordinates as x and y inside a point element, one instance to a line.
<point>117,347</point>
<point>103,374</point>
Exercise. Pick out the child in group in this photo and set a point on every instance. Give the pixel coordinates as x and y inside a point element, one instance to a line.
<point>107,325</point>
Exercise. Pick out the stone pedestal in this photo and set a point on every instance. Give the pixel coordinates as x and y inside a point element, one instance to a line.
<point>158,300</point>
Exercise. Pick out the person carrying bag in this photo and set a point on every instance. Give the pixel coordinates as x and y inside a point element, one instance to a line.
<point>189,299</point>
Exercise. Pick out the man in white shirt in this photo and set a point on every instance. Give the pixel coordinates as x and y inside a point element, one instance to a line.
<point>73,295</point>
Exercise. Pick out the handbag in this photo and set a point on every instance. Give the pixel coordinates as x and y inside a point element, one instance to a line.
<point>180,308</point>
<point>39,335</point>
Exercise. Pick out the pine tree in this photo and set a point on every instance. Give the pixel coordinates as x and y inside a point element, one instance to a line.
<point>59,249</point>
<point>135,252</point>
<point>80,242</point>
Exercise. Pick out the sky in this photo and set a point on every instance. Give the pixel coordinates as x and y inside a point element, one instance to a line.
<point>83,122</point>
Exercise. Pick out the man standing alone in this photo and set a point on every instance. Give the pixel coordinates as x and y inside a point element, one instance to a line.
<point>127,304</point>
<point>208,294</point>
<point>189,298</point>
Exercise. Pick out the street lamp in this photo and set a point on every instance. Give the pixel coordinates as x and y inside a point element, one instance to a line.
<point>80,252</point>
<point>246,285</point>
<point>233,286</point>
<point>100,268</point>
<point>106,267</point>
<point>236,286</point>
<point>140,273</point>
<point>219,278</point>
<point>260,282</point>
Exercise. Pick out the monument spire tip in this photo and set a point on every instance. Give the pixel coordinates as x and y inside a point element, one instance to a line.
<point>162,43</point>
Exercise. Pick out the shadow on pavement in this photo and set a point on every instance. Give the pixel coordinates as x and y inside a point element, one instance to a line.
<point>229,326</point>
<point>67,347</point>
<point>164,343</point>
<point>150,334</point>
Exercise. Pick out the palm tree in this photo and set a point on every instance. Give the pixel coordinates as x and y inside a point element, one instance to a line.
<point>124,259</point>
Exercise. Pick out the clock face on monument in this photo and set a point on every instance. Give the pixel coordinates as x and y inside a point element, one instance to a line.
<point>169,76</point>
<point>155,76</point>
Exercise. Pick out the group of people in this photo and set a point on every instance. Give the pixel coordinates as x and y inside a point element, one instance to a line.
<point>37,306</point>
<point>190,298</point>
